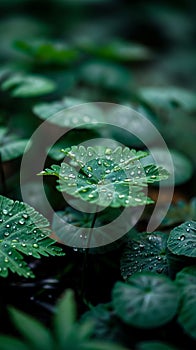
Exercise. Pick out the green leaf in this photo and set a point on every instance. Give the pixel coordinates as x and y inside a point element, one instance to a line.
<point>35,334</point>
<point>145,252</point>
<point>186,280</point>
<point>22,230</point>
<point>182,239</point>
<point>105,75</point>
<point>183,168</point>
<point>59,113</point>
<point>28,85</point>
<point>154,345</point>
<point>118,50</point>
<point>146,301</point>
<point>98,345</point>
<point>10,146</point>
<point>106,176</point>
<point>168,97</point>
<point>65,317</point>
<point>180,212</point>
<point>9,343</point>
<point>48,52</point>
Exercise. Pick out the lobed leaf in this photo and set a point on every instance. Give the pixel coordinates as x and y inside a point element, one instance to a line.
<point>182,239</point>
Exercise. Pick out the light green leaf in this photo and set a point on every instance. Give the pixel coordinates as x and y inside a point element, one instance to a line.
<point>106,177</point>
<point>182,239</point>
<point>22,230</point>
<point>186,280</point>
<point>145,252</point>
<point>35,334</point>
<point>146,301</point>
<point>168,97</point>
<point>117,50</point>
<point>28,85</point>
<point>59,113</point>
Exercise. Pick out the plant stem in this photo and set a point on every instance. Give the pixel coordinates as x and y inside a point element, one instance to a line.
<point>2,176</point>
<point>85,261</point>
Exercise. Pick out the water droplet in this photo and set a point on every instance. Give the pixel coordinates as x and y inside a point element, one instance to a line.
<point>9,253</point>
<point>132,173</point>
<point>182,238</point>
<point>23,245</point>
<point>6,259</point>
<point>30,253</point>
<point>21,221</point>
<point>35,245</point>
<point>1,220</point>
<point>6,234</point>
<point>188,230</point>
<point>89,175</point>
<point>34,231</point>
<point>5,211</point>
<point>189,225</point>
<point>121,196</point>
<point>75,249</point>
<point>108,171</point>
<point>9,226</point>
<point>160,270</point>
<point>10,214</point>
<point>25,216</point>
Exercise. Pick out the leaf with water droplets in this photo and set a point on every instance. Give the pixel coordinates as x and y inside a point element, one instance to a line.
<point>22,230</point>
<point>146,301</point>
<point>182,239</point>
<point>87,116</point>
<point>145,252</point>
<point>106,177</point>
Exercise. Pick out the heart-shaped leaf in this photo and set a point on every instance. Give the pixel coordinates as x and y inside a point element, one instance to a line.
<point>143,253</point>
<point>182,239</point>
<point>146,301</point>
<point>22,230</point>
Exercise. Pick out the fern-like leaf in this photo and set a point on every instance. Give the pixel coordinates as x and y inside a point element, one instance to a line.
<point>22,230</point>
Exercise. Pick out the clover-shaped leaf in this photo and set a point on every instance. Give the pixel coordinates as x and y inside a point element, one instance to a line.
<point>22,230</point>
<point>106,177</point>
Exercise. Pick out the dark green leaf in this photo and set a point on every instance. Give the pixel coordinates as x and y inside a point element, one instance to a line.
<point>12,148</point>
<point>180,212</point>
<point>36,335</point>
<point>154,345</point>
<point>182,239</point>
<point>146,301</point>
<point>9,343</point>
<point>145,252</point>
<point>186,280</point>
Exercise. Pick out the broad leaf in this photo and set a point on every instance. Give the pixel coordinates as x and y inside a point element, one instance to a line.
<point>146,301</point>
<point>28,85</point>
<point>180,212</point>
<point>168,97</point>
<point>58,113</point>
<point>22,230</point>
<point>105,176</point>
<point>106,75</point>
<point>186,279</point>
<point>182,239</point>
<point>145,252</point>
<point>35,334</point>
<point>10,146</point>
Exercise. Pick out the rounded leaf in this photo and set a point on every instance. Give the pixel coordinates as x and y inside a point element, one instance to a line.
<point>146,301</point>
<point>182,239</point>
